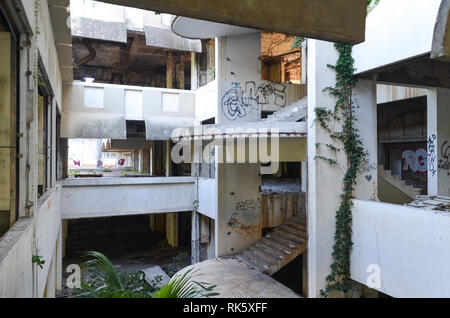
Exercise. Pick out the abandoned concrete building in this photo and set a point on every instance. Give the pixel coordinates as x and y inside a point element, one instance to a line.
<point>143,126</point>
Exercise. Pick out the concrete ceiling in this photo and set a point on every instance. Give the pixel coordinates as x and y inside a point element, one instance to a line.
<point>330,20</point>
<point>201,29</point>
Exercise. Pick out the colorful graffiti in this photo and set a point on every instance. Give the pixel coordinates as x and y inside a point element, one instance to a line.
<point>415,167</point>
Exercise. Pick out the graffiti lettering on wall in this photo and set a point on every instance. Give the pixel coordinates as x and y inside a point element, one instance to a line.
<point>444,162</point>
<point>368,168</point>
<point>416,161</point>
<point>242,228</point>
<point>432,155</point>
<point>246,214</point>
<point>239,102</point>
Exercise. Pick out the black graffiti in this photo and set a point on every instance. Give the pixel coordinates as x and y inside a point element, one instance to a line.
<point>432,155</point>
<point>444,162</point>
<point>238,102</point>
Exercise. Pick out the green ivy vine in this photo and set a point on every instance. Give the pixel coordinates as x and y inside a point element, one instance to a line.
<point>339,280</point>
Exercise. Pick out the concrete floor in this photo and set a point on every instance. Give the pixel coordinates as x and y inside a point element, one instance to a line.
<point>236,280</point>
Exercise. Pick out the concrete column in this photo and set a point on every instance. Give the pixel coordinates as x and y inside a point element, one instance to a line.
<point>325,180</point>
<point>195,237</point>
<point>152,158</point>
<point>438,141</point>
<point>304,175</point>
<point>239,222</point>
<point>64,233</point>
<point>194,71</point>
<point>141,159</point>
<point>169,71</point>
<point>146,160</point>
<point>59,256</point>
<point>181,73</point>
<point>168,159</point>
<point>172,229</point>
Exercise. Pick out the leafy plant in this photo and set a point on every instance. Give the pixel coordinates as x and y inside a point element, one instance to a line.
<point>37,259</point>
<point>107,282</point>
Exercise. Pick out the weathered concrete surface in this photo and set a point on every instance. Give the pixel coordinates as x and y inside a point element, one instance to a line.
<point>441,36</point>
<point>236,280</point>
<point>340,20</point>
<point>156,274</point>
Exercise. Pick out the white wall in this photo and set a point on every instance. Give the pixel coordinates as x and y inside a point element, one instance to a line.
<point>207,196</point>
<point>395,31</point>
<point>206,99</point>
<point>410,245</point>
<point>84,198</point>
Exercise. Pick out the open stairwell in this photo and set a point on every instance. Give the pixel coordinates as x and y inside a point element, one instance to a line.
<point>405,193</point>
<point>278,248</point>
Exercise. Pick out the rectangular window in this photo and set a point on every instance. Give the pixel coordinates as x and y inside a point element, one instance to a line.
<point>93,97</point>
<point>134,105</point>
<point>170,103</point>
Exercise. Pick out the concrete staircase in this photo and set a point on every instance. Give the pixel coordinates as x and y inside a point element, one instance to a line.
<point>293,113</point>
<point>397,183</point>
<point>278,248</point>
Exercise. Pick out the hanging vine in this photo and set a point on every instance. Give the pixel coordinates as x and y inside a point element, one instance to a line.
<point>339,280</point>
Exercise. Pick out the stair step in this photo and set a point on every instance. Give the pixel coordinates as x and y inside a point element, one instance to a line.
<point>252,264</point>
<point>258,259</point>
<point>297,225</point>
<point>266,253</point>
<point>291,235</point>
<point>286,240</point>
<point>272,247</point>
<point>287,248</point>
<point>296,229</point>
<point>298,220</point>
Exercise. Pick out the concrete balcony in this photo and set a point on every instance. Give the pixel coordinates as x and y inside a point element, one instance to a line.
<point>101,110</point>
<point>104,197</point>
<point>409,246</point>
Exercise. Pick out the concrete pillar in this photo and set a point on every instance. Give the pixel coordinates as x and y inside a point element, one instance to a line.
<point>438,141</point>
<point>64,230</point>
<point>239,220</point>
<point>181,73</point>
<point>141,159</point>
<point>169,71</point>
<point>195,238</point>
<point>152,222</point>
<point>194,71</point>
<point>172,229</point>
<point>152,158</point>
<point>168,159</point>
<point>147,167</point>
<point>59,257</point>
<point>304,175</point>
<point>325,180</point>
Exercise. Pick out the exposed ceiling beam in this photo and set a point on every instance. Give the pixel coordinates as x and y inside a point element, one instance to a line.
<point>330,20</point>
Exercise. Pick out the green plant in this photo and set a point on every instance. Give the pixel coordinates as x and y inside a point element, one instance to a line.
<point>339,279</point>
<point>107,170</point>
<point>37,259</point>
<point>298,42</point>
<point>107,282</point>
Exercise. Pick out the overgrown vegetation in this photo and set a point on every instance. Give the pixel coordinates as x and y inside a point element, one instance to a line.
<point>348,137</point>
<point>107,282</point>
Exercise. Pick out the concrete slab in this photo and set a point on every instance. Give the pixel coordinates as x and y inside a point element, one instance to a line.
<point>236,280</point>
<point>153,272</point>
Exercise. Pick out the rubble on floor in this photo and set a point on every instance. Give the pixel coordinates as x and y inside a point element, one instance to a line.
<point>281,186</point>
<point>155,275</point>
<point>430,202</point>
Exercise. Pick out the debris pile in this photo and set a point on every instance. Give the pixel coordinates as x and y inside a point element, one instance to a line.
<point>434,203</point>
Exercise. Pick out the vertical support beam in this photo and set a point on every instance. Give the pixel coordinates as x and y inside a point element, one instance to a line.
<point>59,257</point>
<point>438,142</point>
<point>195,247</point>
<point>64,229</point>
<point>304,175</point>
<point>194,71</point>
<point>152,158</point>
<point>181,73</point>
<point>169,71</point>
<point>172,229</point>
<point>152,218</point>
<point>141,160</point>
<point>168,160</point>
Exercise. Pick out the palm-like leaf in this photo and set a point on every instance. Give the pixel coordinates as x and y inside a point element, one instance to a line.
<point>106,269</point>
<point>182,286</point>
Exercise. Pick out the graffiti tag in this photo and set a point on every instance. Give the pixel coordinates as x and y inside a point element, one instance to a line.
<point>432,155</point>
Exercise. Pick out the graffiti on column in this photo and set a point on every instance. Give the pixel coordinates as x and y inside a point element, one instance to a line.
<point>432,155</point>
<point>77,163</point>
<point>444,162</point>
<point>239,102</point>
<point>246,214</point>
